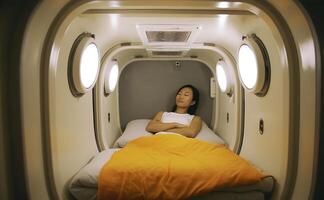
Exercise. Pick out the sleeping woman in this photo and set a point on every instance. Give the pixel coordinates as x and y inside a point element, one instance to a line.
<point>171,166</point>
<point>182,119</point>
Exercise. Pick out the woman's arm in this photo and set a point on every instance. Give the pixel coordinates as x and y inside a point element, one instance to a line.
<point>189,131</point>
<point>155,125</point>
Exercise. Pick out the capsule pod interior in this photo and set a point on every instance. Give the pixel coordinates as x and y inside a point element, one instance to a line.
<point>272,125</point>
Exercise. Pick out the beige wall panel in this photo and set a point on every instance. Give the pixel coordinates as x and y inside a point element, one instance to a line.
<point>302,30</point>
<point>31,104</point>
<point>224,129</point>
<point>73,142</point>
<point>270,150</point>
<point>111,129</point>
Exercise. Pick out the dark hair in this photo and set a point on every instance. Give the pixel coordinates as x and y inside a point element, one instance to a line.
<point>195,93</point>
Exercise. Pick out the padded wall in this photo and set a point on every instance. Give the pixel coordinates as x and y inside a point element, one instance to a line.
<point>149,86</point>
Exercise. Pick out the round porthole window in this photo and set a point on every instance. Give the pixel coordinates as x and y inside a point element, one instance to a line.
<point>254,65</point>
<point>111,76</point>
<point>84,64</point>
<point>222,77</point>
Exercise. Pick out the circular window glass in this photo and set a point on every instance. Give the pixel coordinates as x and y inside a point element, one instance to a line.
<point>111,79</point>
<point>84,64</point>
<point>248,67</point>
<point>89,65</point>
<point>221,76</point>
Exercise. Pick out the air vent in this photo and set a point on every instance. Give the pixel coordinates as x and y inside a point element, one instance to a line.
<point>160,52</point>
<point>168,36</point>
<point>167,53</point>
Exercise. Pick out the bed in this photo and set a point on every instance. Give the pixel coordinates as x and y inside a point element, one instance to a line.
<point>84,184</point>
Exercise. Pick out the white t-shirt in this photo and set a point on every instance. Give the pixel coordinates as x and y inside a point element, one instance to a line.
<point>172,117</point>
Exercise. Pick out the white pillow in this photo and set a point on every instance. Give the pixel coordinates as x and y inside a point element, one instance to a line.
<point>136,129</point>
<point>207,135</point>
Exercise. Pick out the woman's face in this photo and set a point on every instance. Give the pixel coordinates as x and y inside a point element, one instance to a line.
<point>184,98</point>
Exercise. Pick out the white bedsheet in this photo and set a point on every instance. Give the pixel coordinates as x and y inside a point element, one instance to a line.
<point>84,184</point>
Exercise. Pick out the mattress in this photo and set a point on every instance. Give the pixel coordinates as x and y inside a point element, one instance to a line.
<point>84,184</point>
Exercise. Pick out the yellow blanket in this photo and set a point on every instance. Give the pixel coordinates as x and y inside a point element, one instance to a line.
<point>171,167</point>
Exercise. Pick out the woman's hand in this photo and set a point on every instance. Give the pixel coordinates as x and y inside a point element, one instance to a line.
<point>155,125</point>
<point>178,125</point>
<point>189,131</point>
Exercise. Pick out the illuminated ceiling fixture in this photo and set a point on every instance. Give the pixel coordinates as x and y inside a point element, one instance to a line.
<point>254,65</point>
<point>161,35</point>
<point>111,76</point>
<point>223,78</point>
<point>83,64</point>
<point>223,4</point>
